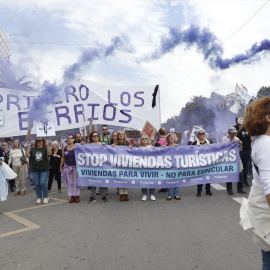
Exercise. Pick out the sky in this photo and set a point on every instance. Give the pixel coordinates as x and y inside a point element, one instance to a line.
<point>47,37</point>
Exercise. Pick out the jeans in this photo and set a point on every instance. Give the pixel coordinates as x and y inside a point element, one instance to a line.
<point>245,158</point>
<point>151,191</point>
<point>173,191</point>
<point>40,179</point>
<point>265,260</point>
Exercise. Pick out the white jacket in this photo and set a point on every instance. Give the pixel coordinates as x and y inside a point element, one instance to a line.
<point>255,214</point>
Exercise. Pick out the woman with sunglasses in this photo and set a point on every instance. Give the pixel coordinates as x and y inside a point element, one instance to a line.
<point>68,167</point>
<point>95,139</point>
<point>18,167</point>
<point>113,138</point>
<point>145,142</point>
<point>171,140</point>
<point>40,164</point>
<point>121,139</point>
<point>6,158</point>
<point>202,141</point>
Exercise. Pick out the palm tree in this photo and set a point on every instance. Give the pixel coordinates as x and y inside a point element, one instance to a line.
<point>8,78</point>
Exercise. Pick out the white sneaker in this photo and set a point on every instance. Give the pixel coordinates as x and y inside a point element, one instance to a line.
<point>38,201</point>
<point>144,198</point>
<point>45,200</point>
<point>152,198</point>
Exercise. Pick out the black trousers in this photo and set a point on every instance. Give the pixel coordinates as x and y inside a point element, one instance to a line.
<point>207,187</point>
<point>239,184</point>
<point>54,173</point>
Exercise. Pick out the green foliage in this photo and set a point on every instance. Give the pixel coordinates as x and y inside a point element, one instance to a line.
<point>264,92</point>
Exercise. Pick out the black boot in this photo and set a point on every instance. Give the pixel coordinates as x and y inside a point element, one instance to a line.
<point>11,185</point>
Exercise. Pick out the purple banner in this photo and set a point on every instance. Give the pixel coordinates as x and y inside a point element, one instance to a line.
<point>121,166</point>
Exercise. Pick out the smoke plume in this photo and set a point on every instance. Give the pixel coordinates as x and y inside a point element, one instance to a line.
<point>206,43</point>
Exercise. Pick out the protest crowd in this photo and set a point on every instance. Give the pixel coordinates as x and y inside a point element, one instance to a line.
<point>42,161</point>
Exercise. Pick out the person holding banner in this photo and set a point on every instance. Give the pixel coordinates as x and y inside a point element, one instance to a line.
<point>161,137</point>
<point>121,140</point>
<point>18,166</point>
<point>40,164</point>
<point>145,142</point>
<point>68,167</point>
<point>231,137</point>
<point>113,138</point>
<point>170,140</point>
<point>95,139</point>
<point>202,141</point>
<point>255,211</point>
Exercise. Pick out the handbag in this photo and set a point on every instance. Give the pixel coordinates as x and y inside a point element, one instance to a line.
<point>23,158</point>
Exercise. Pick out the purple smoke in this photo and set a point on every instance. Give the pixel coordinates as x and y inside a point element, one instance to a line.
<point>52,91</point>
<point>48,95</point>
<point>207,44</point>
<point>120,43</point>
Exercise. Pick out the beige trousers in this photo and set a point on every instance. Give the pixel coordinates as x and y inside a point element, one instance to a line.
<point>123,191</point>
<point>21,173</point>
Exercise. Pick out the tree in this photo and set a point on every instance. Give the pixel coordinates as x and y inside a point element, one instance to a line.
<point>264,91</point>
<point>9,80</point>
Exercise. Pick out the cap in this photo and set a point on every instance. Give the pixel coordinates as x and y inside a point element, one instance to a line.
<point>232,130</point>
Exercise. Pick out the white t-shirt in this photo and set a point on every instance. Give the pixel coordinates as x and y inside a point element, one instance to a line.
<point>261,157</point>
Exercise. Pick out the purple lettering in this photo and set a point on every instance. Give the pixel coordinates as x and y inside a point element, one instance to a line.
<point>63,114</point>
<point>22,120</point>
<point>28,101</point>
<point>86,90</point>
<point>77,112</point>
<point>109,99</point>
<point>124,112</point>
<point>1,98</point>
<point>140,98</point>
<point>122,99</point>
<point>16,102</point>
<point>105,112</point>
<point>93,111</point>
<point>70,91</point>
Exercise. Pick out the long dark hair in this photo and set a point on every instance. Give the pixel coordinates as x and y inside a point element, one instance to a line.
<point>43,140</point>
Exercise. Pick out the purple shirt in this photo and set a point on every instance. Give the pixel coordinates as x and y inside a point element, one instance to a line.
<point>70,157</point>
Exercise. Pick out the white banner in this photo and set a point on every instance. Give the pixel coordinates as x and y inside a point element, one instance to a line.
<point>127,106</point>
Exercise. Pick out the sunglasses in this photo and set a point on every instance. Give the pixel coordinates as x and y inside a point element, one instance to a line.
<point>201,133</point>
<point>144,139</point>
<point>121,133</point>
<point>95,136</point>
<point>4,144</point>
<point>104,129</point>
<point>38,140</point>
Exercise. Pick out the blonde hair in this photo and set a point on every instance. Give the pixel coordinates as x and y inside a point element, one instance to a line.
<point>19,144</point>
<point>55,143</point>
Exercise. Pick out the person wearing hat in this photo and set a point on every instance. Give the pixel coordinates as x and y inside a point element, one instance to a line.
<point>245,153</point>
<point>231,137</point>
<point>202,141</point>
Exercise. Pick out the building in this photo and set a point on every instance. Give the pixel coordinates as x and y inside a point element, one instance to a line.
<point>4,45</point>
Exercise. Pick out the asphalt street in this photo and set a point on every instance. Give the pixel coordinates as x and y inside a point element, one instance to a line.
<point>194,233</point>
